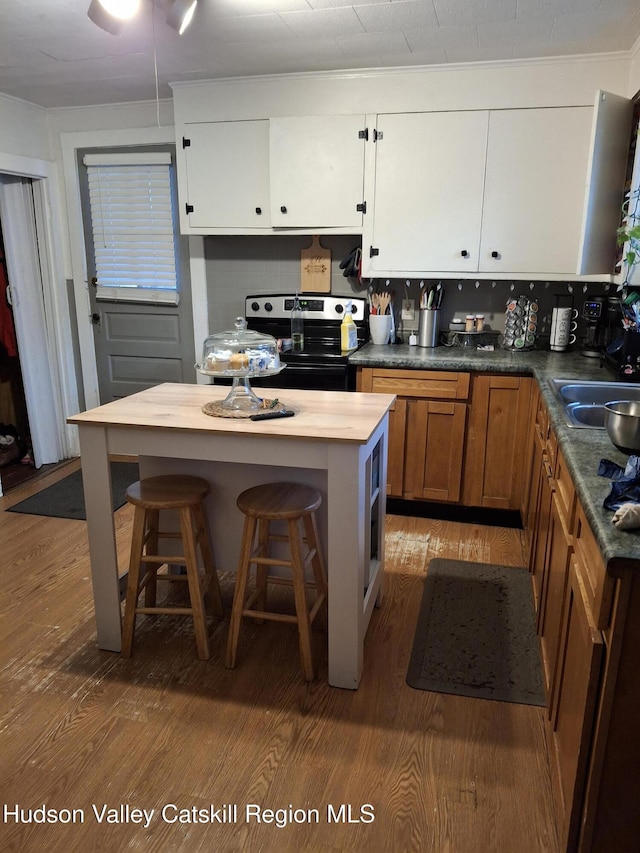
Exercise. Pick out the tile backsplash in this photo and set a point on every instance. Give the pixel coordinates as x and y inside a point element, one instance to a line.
<point>237,266</point>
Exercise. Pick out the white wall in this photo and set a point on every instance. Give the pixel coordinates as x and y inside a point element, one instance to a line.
<point>634,71</point>
<point>531,83</point>
<point>23,129</point>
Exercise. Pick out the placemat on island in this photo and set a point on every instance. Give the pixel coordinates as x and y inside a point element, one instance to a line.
<point>217,410</point>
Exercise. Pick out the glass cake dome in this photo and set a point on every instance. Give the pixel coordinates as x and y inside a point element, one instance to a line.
<point>242,354</point>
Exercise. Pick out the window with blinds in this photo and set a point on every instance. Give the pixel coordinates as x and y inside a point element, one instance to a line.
<point>132,222</point>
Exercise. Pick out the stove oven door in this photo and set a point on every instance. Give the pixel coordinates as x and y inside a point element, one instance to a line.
<point>309,376</point>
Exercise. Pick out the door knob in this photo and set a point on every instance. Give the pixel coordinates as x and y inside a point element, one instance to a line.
<point>95,319</point>
<point>283,209</point>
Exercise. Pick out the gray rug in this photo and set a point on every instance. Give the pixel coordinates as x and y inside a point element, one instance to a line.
<point>476,634</point>
<point>65,499</point>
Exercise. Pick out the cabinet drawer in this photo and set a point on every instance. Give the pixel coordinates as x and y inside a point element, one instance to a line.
<point>565,491</point>
<point>423,384</point>
<point>598,585</point>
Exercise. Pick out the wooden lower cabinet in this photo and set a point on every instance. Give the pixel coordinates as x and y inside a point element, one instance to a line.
<point>552,597</point>
<point>427,430</point>
<point>455,437</point>
<point>573,709</point>
<point>588,622</point>
<point>495,454</point>
<point>543,484</point>
<point>434,445</point>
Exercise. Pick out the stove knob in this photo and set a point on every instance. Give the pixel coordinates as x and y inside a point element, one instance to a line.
<point>268,306</point>
<point>255,306</point>
<point>339,308</point>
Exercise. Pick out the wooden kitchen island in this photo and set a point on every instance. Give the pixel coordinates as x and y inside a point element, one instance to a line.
<point>336,442</point>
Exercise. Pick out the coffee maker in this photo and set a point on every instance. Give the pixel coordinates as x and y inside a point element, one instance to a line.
<point>594,313</point>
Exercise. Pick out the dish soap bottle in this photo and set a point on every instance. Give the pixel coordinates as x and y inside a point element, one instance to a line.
<point>297,326</point>
<point>348,331</point>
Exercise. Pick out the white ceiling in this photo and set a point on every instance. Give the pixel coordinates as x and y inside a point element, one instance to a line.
<point>51,54</point>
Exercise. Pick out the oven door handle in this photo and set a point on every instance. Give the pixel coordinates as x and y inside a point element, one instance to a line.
<point>320,369</point>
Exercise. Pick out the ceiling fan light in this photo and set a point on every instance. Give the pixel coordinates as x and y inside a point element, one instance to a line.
<point>99,15</point>
<point>121,9</point>
<point>180,13</point>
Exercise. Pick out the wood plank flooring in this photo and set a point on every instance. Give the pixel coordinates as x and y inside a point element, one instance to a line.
<point>81,728</point>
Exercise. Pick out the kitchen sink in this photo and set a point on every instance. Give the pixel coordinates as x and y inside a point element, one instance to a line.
<point>584,401</point>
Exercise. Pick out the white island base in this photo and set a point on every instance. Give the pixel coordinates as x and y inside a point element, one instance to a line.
<point>337,442</point>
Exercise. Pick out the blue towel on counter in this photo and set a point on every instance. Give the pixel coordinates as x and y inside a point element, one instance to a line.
<point>625,487</point>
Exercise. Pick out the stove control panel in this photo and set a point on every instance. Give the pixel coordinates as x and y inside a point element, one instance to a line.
<point>314,307</point>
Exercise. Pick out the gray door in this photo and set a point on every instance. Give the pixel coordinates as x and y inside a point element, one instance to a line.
<point>139,345</point>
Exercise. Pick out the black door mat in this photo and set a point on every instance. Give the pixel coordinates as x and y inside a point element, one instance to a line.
<point>65,499</point>
<point>476,634</point>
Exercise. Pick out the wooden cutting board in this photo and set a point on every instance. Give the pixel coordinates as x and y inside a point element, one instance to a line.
<point>315,268</point>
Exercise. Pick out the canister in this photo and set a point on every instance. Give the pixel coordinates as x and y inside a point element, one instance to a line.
<point>428,327</point>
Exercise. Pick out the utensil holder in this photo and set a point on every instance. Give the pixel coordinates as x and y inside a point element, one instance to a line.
<point>380,328</point>
<point>428,327</point>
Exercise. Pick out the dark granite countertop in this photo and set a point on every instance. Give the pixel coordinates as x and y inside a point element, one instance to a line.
<point>582,448</point>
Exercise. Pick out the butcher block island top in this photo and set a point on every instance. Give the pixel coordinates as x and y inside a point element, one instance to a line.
<point>336,441</point>
<point>319,415</point>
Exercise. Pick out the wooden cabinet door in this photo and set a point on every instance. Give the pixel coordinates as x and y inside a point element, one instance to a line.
<point>397,439</point>
<point>538,565</point>
<point>573,708</point>
<point>496,448</point>
<point>227,168</point>
<point>317,171</point>
<point>428,192</point>
<point>434,449</point>
<point>552,596</point>
<point>535,179</point>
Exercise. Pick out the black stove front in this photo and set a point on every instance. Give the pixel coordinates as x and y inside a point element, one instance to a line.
<point>321,365</point>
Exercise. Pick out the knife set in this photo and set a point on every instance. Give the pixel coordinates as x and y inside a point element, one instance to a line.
<point>521,324</point>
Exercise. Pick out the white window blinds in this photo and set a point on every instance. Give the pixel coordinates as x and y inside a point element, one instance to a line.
<point>133,226</point>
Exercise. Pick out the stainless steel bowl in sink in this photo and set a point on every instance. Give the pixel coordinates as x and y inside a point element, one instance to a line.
<point>622,422</point>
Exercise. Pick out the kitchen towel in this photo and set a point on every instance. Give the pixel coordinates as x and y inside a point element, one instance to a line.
<point>625,487</point>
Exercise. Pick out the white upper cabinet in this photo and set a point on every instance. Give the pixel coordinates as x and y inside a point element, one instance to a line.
<point>606,174</point>
<point>304,172</point>
<point>429,184</point>
<point>317,171</point>
<point>534,190</point>
<point>499,192</point>
<point>227,174</point>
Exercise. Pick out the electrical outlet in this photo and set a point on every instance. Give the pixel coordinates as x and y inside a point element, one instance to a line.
<point>408,309</point>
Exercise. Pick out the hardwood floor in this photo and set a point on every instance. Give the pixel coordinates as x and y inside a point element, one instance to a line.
<point>81,728</point>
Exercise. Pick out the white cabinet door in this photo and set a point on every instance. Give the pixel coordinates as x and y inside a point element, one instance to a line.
<point>316,171</point>
<point>606,177</point>
<point>428,192</point>
<point>534,189</point>
<point>227,168</point>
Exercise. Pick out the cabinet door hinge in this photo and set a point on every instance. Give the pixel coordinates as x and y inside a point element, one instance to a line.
<point>364,134</point>
<point>189,208</point>
<point>362,208</point>
<point>186,143</point>
<point>377,134</point>
<point>373,252</point>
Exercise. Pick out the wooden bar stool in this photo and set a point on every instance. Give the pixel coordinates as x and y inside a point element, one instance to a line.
<point>186,495</point>
<point>262,505</point>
